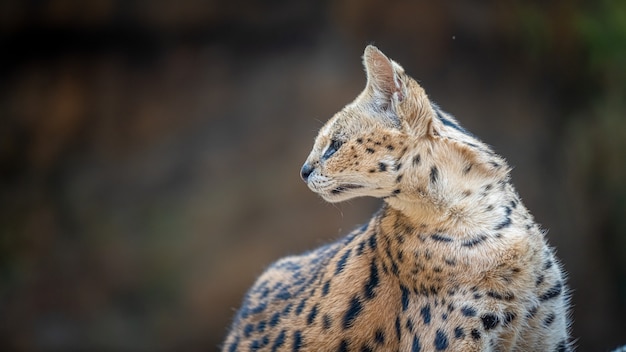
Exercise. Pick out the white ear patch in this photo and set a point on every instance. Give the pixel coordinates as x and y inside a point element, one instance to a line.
<point>398,96</point>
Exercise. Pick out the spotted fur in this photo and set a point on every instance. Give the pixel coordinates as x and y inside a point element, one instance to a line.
<point>453,261</point>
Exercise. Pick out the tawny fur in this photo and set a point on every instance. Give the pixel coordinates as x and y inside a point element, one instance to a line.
<point>453,261</point>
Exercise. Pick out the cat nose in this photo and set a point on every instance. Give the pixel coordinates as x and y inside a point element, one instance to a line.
<point>306,171</point>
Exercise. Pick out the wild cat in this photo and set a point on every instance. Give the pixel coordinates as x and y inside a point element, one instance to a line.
<point>453,261</point>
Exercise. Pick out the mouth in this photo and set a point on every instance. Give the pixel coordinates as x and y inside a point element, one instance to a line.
<point>345,187</point>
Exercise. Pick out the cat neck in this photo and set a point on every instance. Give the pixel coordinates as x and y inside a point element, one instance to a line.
<point>456,211</point>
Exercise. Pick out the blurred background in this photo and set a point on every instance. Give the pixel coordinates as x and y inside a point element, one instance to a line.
<point>150,150</point>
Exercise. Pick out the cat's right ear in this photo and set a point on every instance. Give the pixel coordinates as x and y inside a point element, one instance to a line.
<point>383,77</point>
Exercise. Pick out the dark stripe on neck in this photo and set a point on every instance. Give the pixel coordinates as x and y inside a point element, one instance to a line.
<point>450,123</point>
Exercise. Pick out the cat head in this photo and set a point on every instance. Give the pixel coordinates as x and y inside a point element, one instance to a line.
<point>366,148</point>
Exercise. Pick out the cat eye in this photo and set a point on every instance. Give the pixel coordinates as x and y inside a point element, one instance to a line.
<point>332,148</point>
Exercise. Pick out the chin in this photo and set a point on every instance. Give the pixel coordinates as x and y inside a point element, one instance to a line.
<point>336,197</point>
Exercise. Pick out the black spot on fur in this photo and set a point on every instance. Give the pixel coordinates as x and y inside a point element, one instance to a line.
<point>441,341</point>
<point>382,167</point>
<point>388,249</point>
<point>372,242</point>
<point>475,334</point>
<point>549,320</point>
<point>503,224</point>
<point>474,241</point>
<point>409,325</point>
<point>450,123</point>
<point>459,333</point>
<point>405,297</point>
<point>400,252</point>
<point>370,150</point>
<point>532,312</point>
<point>415,345</point>
<point>372,282</point>
<point>279,341</point>
<point>261,326</point>
<point>417,159</point>
<point>233,346</point>
<point>287,309</point>
<point>379,336</point>
<point>562,347</point>
<point>507,296</point>
<point>428,255</point>
<point>355,308</point>
<point>248,329</point>
<point>360,248</point>
<point>258,344</point>
<point>440,238</point>
<point>490,321</point>
<point>297,341</point>
<point>326,321</point>
<point>300,306</point>
<point>434,174</point>
<point>425,313</point>
<point>553,292</point>
<point>325,288</point>
<point>508,317</point>
<point>394,268</point>
<point>341,264</point>
<point>468,311</point>
<point>343,346</point>
<point>275,319</point>
<point>507,220</point>
<point>398,329</point>
<point>539,280</point>
<point>312,314</point>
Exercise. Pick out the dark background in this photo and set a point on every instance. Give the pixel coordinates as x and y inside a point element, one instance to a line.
<point>150,150</point>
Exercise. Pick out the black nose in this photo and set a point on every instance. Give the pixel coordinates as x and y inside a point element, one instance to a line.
<point>306,171</point>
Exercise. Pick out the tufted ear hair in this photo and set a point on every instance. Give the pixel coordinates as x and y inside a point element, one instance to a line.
<point>383,77</point>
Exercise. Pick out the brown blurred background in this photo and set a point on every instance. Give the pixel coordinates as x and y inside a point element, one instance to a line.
<point>149,150</point>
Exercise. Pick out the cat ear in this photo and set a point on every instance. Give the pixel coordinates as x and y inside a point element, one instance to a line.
<point>383,77</point>
<point>390,90</point>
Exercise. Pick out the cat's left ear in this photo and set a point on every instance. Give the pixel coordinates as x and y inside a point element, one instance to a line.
<point>383,78</point>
